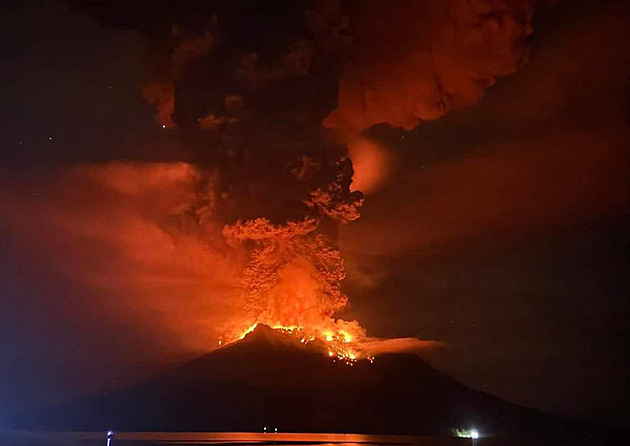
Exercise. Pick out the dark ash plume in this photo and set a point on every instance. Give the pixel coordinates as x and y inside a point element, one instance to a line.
<point>247,86</point>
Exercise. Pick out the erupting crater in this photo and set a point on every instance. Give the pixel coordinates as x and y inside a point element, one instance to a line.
<point>338,344</point>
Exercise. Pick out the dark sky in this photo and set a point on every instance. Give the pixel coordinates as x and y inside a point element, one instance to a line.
<point>501,229</point>
<point>66,78</point>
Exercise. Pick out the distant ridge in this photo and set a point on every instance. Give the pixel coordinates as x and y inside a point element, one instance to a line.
<point>271,379</point>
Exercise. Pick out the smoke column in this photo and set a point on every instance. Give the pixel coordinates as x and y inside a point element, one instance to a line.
<point>265,97</point>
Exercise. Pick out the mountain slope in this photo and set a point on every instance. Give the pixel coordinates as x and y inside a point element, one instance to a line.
<point>270,379</point>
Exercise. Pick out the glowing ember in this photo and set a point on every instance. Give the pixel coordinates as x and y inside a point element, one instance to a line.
<point>340,344</point>
<point>292,277</point>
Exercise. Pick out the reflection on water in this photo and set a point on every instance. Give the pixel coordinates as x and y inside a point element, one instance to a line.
<point>208,438</point>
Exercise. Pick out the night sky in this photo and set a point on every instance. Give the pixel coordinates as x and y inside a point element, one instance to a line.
<point>499,229</point>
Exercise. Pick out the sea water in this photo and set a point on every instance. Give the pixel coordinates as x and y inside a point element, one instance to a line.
<point>29,438</point>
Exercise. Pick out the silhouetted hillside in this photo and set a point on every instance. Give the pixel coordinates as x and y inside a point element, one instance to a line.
<point>270,379</point>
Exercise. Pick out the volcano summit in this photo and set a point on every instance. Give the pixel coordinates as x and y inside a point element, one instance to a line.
<point>270,378</point>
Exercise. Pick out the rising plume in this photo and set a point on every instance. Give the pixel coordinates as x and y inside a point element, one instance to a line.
<point>266,97</point>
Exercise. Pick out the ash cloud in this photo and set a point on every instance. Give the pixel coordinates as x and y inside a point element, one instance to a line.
<point>414,61</point>
<point>264,187</point>
<point>547,150</point>
<point>116,230</point>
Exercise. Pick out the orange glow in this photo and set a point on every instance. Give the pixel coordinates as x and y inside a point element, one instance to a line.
<point>370,162</point>
<point>339,342</point>
<point>124,235</point>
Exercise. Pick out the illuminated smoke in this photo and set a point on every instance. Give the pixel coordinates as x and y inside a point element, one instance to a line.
<point>414,60</point>
<point>279,187</point>
<point>114,230</point>
<point>374,347</point>
<point>371,163</point>
<point>248,87</point>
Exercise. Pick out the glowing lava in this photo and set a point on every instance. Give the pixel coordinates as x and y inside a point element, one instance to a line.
<point>341,345</point>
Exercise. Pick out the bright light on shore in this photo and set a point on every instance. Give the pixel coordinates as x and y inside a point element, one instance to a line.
<point>466,433</point>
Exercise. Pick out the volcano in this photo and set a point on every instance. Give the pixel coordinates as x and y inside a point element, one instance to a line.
<point>270,378</point>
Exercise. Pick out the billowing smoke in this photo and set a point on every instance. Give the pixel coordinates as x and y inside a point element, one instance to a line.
<point>249,92</point>
<point>116,231</point>
<point>266,97</point>
<point>414,60</point>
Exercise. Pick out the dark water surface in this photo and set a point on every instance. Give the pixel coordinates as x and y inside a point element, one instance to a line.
<point>23,438</point>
